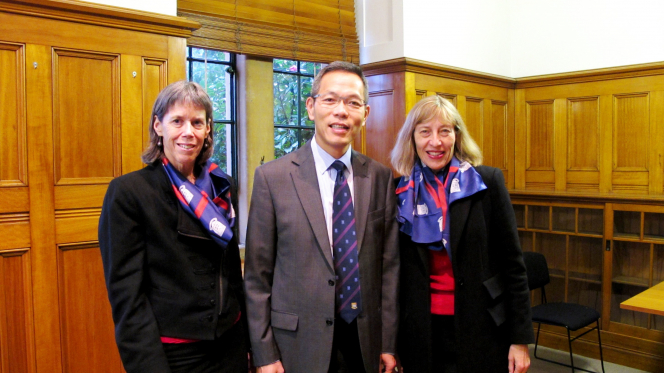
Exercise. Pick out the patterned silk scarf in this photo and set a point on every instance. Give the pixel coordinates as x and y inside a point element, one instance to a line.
<point>208,201</point>
<point>424,200</point>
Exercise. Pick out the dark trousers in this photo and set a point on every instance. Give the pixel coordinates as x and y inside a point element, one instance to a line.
<point>443,344</point>
<point>346,353</point>
<point>227,354</point>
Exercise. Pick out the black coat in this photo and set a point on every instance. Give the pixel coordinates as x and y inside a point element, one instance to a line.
<point>492,301</point>
<point>162,270</point>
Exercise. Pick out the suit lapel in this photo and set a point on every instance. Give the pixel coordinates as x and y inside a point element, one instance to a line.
<point>458,215</point>
<point>306,185</point>
<point>362,195</point>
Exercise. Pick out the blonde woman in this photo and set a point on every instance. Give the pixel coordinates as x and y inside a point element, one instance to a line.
<point>465,303</point>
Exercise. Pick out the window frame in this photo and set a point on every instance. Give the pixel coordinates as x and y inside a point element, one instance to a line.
<point>299,74</point>
<point>232,122</point>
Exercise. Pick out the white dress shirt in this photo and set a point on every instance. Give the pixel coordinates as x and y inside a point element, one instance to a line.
<point>326,179</point>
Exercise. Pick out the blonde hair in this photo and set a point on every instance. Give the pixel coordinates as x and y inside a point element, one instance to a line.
<point>403,155</point>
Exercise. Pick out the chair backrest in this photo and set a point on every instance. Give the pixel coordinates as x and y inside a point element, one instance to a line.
<point>537,270</point>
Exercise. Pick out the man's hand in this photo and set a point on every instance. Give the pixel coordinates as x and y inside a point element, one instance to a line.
<point>519,359</point>
<point>272,368</point>
<point>387,363</point>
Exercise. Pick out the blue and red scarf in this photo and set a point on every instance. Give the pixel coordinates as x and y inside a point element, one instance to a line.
<point>209,200</point>
<point>424,200</point>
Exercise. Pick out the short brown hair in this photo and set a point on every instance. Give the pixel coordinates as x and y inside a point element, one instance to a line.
<point>340,66</point>
<point>182,92</point>
<point>465,148</point>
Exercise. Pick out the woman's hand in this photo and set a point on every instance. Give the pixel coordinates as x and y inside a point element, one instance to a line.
<point>519,359</point>
<point>387,363</point>
<point>275,367</point>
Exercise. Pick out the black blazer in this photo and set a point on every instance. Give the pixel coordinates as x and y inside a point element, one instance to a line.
<point>162,270</point>
<point>492,300</point>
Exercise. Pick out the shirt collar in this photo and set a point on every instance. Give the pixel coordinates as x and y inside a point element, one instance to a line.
<point>324,160</point>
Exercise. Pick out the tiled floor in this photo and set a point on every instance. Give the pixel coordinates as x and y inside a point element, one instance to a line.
<point>539,366</point>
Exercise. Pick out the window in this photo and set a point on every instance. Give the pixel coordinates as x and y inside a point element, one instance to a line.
<point>292,86</point>
<point>215,71</point>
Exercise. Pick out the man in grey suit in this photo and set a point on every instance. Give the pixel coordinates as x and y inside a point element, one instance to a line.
<point>322,269</point>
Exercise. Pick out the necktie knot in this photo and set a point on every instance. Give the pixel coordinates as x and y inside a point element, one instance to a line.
<point>338,165</point>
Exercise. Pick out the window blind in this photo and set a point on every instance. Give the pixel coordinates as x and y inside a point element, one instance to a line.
<point>308,30</point>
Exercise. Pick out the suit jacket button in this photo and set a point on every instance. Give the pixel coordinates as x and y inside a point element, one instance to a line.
<point>460,281</point>
<point>212,302</point>
<point>329,322</point>
<point>209,318</point>
<point>331,283</point>
<point>212,285</point>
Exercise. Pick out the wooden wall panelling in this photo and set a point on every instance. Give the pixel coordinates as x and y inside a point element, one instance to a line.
<point>460,104</point>
<point>79,196</point>
<point>87,346</point>
<point>14,230</point>
<point>560,143</point>
<point>132,77</point>
<point>520,136</point>
<point>16,337</point>
<point>387,101</point>
<point>13,157</point>
<point>379,137</point>
<point>155,78</point>
<point>177,57</point>
<point>583,144</point>
<point>76,225</point>
<point>510,141</point>
<point>42,215</point>
<point>80,36</point>
<point>497,136</point>
<point>474,118</point>
<point>459,87</point>
<point>86,114</point>
<point>540,144</point>
<point>14,199</point>
<point>406,82</point>
<point>618,86</point>
<point>606,142</point>
<point>631,142</point>
<point>487,132</point>
<point>656,159</point>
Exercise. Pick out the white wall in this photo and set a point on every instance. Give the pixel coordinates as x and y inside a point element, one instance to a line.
<point>570,35</point>
<point>380,29</point>
<point>168,7</point>
<point>513,38</point>
<point>471,34</point>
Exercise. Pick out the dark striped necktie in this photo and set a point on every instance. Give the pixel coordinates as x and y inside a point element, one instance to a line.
<point>346,266</point>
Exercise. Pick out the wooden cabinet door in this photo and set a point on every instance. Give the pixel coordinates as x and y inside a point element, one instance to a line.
<point>72,121</point>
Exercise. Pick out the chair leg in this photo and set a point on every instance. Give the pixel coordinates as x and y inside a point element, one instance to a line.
<point>539,325</point>
<point>571,356</point>
<point>599,339</point>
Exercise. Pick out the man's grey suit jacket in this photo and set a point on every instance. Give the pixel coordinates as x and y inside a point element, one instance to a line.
<point>289,273</point>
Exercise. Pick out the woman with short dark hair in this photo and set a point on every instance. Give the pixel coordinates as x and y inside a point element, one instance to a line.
<point>169,246</point>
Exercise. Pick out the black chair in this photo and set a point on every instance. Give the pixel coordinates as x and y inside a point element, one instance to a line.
<point>571,316</point>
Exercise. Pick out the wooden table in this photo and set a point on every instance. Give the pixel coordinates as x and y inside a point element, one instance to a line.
<point>649,301</point>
